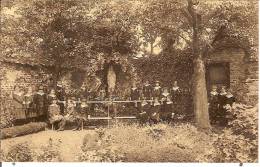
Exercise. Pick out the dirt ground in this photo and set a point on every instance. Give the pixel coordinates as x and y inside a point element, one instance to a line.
<point>70,141</point>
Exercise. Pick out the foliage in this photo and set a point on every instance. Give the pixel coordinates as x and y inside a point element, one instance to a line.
<point>50,152</point>
<point>22,130</point>
<point>95,148</point>
<point>83,34</point>
<point>159,143</point>
<point>239,142</point>
<point>20,152</point>
<point>6,114</point>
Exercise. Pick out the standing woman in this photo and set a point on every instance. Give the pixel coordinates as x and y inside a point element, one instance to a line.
<point>157,91</point>
<point>51,96</point>
<point>155,114</point>
<point>60,94</point>
<point>18,98</point>
<point>176,93</point>
<point>28,104</point>
<point>40,100</point>
<point>135,95</point>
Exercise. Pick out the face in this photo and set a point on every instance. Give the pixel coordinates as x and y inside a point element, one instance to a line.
<point>16,89</point>
<point>54,101</point>
<point>52,91</point>
<point>157,84</point>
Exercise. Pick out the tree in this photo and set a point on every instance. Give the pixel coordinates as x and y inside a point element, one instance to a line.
<point>68,34</point>
<point>202,26</point>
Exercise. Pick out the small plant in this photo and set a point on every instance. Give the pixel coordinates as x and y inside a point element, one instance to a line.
<point>20,152</point>
<point>50,152</point>
<point>238,143</point>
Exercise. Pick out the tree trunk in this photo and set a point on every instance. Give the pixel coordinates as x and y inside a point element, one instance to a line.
<point>200,99</point>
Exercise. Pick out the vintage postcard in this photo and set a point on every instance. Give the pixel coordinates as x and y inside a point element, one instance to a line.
<point>129,81</point>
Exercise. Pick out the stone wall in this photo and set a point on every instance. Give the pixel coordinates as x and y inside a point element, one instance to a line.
<point>243,73</point>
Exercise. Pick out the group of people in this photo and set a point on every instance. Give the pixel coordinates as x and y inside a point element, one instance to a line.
<point>151,103</point>
<point>58,109</point>
<point>218,103</point>
<point>154,103</point>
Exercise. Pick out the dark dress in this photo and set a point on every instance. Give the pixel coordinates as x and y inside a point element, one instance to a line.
<point>60,94</point>
<point>157,91</point>
<point>166,113</point>
<point>143,115</point>
<point>155,114</point>
<point>176,98</point>
<point>40,101</point>
<point>135,95</point>
<point>213,106</point>
<point>18,111</point>
<point>222,112</point>
<point>50,99</point>
<point>147,92</point>
<point>28,106</point>
<point>230,100</point>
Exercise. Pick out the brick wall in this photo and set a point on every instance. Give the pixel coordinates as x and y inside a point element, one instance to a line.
<point>22,75</point>
<point>243,73</point>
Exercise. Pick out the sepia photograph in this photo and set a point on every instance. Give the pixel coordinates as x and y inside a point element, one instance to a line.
<point>140,81</point>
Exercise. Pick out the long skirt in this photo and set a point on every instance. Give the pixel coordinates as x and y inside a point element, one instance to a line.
<point>19,113</point>
<point>30,112</point>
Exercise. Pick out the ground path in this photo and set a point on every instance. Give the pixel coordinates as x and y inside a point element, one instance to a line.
<point>69,147</point>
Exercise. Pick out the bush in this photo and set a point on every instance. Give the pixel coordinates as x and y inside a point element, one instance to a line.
<point>50,152</point>
<point>96,148</point>
<point>20,152</point>
<point>6,115</point>
<point>159,143</point>
<point>22,130</point>
<point>238,143</point>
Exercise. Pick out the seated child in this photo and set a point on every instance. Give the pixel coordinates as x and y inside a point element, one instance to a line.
<point>80,115</point>
<point>70,110</point>
<point>54,114</point>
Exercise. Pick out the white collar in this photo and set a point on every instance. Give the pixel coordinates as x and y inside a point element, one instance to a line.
<point>157,87</point>
<point>223,93</point>
<point>54,104</point>
<point>18,93</point>
<point>229,96</point>
<point>134,88</point>
<point>143,104</point>
<point>169,102</point>
<point>214,93</point>
<point>156,104</point>
<point>52,95</point>
<point>175,88</point>
<point>83,105</point>
<point>28,94</point>
<point>42,93</point>
<point>147,85</point>
<point>165,94</point>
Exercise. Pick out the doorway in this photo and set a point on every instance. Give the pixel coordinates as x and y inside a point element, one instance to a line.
<point>218,74</point>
